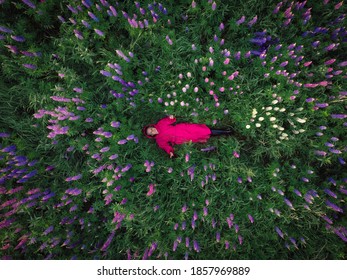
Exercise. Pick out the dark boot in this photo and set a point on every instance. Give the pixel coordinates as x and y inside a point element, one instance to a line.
<point>218,132</point>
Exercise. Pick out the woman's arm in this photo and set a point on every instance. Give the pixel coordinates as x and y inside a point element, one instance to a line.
<point>167,120</point>
<point>164,144</point>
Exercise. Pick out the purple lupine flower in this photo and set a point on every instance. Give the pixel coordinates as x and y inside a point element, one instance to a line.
<point>333,206</point>
<point>151,190</point>
<point>237,55</point>
<point>168,40</point>
<point>320,153</point>
<point>184,225</point>
<point>280,192</point>
<point>240,238</point>
<point>342,64</point>
<point>29,66</point>
<point>328,220</point>
<point>130,137</point>
<point>72,9</point>
<point>99,32</point>
<point>48,196</point>
<point>48,230</point>
<point>78,34</point>
<point>218,236</point>
<point>115,124</point>
<point>196,246</point>
<point>278,7</point>
<point>334,151</point>
<point>105,73</point>
<point>221,26</point>
<point>211,148</point>
<point>330,47</point>
<point>9,149</point>
<point>92,16</point>
<point>338,116</point>
<point>4,135</point>
<point>241,20</point>
<point>108,241</point>
<point>75,192</point>
<point>187,242</point>
<point>85,23</point>
<point>342,235</point>
<point>214,223</point>
<point>250,218</point>
<point>174,247</point>
<point>304,179</point>
<point>122,55</point>
<point>29,3</point>
<point>60,99</point>
<point>113,10</point>
<point>291,239</point>
<point>214,5</point>
<point>193,224</point>
<point>253,21</point>
<point>230,222</point>
<point>236,154</point>
<point>279,232</point>
<point>184,208</point>
<point>105,149</point>
<point>122,142</point>
<point>18,38</point>
<point>321,105</point>
<point>73,208</point>
<point>330,61</point>
<point>127,167</point>
<point>287,201</point>
<point>61,19</point>
<point>297,192</point>
<point>44,245</point>
<point>79,90</point>
<point>5,29</point>
<point>338,5</point>
<point>107,134</point>
<point>329,192</point>
<point>283,64</point>
<point>74,178</point>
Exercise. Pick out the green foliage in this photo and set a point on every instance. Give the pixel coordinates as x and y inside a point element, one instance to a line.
<point>230,200</point>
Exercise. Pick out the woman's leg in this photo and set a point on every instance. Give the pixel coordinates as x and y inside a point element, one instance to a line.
<point>218,132</point>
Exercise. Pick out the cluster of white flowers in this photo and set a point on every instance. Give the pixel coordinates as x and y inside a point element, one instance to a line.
<point>272,113</point>
<point>184,89</point>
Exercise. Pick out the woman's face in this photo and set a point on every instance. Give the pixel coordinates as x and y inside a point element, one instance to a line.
<point>152,131</point>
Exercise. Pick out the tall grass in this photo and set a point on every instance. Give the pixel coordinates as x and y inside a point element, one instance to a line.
<point>78,178</point>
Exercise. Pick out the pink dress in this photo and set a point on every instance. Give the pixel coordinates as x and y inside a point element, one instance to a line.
<point>169,135</point>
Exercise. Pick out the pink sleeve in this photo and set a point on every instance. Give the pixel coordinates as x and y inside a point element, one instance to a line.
<point>164,144</point>
<point>166,121</point>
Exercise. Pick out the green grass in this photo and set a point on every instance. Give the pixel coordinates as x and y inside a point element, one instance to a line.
<point>270,167</point>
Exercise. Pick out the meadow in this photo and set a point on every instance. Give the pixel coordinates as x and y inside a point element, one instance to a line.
<point>79,81</point>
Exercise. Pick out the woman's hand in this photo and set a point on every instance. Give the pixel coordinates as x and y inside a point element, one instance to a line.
<point>171,117</point>
<point>171,154</point>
